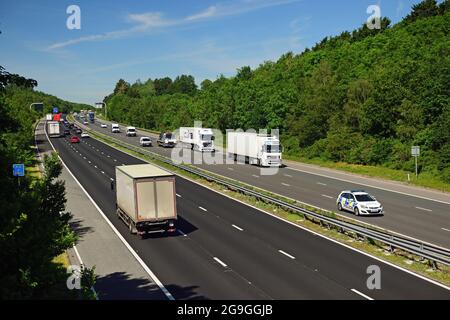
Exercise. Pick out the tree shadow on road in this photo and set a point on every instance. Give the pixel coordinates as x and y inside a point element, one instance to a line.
<point>77,226</point>
<point>121,286</point>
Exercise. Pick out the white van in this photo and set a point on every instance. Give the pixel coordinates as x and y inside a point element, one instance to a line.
<point>115,128</point>
<point>131,132</point>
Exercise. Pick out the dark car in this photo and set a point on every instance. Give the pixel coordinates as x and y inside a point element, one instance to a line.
<point>66,132</point>
<point>79,131</point>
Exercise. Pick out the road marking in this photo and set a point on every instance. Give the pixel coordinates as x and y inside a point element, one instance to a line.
<point>445,229</point>
<point>255,176</point>
<point>182,233</point>
<point>109,156</point>
<point>220,262</point>
<point>321,183</point>
<point>362,294</point>
<point>424,209</point>
<point>89,161</point>
<point>287,175</point>
<point>115,160</point>
<point>84,158</point>
<point>326,196</point>
<point>201,208</point>
<point>230,169</point>
<point>112,179</point>
<point>285,184</point>
<point>95,167</point>
<point>179,196</point>
<point>286,254</point>
<point>367,185</point>
<point>136,256</point>
<point>235,226</point>
<point>103,172</point>
<point>102,152</point>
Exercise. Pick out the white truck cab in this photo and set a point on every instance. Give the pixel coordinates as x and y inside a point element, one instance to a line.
<point>200,139</point>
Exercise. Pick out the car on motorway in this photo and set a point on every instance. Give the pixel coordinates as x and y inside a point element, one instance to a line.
<point>78,130</point>
<point>167,139</point>
<point>74,139</point>
<point>85,122</point>
<point>145,142</point>
<point>84,135</point>
<point>359,202</point>
<point>103,125</point>
<point>66,132</point>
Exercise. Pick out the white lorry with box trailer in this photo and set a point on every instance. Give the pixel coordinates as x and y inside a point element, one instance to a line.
<point>48,117</point>
<point>146,198</point>
<point>261,149</point>
<point>201,139</point>
<point>53,129</point>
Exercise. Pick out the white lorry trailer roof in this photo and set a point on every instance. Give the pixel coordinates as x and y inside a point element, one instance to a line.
<point>143,171</point>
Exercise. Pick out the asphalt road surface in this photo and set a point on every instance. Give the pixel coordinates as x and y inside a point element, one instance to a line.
<point>227,250</point>
<point>424,219</point>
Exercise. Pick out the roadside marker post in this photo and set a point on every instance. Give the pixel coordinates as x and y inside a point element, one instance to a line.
<point>415,152</point>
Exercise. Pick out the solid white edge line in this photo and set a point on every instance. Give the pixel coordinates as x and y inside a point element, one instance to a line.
<point>182,233</point>
<point>286,254</point>
<point>236,227</point>
<point>362,294</point>
<point>296,225</point>
<point>42,165</point>
<point>201,208</point>
<point>136,256</point>
<point>179,196</point>
<point>445,229</point>
<point>220,262</point>
<point>369,185</point>
<point>285,184</point>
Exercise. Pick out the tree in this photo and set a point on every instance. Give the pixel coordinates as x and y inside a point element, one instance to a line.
<point>121,87</point>
<point>163,85</point>
<point>184,84</point>
<point>424,9</point>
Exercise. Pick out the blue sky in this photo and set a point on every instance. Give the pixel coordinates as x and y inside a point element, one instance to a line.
<point>150,39</point>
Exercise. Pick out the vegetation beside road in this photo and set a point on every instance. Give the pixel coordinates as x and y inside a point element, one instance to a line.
<point>362,97</point>
<point>34,227</point>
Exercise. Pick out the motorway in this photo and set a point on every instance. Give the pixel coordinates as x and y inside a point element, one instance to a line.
<point>227,250</point>
<point>421,218</point>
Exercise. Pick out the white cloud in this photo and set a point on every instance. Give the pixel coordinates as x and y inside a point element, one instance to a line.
<point>149,21</point>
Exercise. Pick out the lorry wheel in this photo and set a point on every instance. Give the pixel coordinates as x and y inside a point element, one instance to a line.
<point>339,206</point>
<point>132,231</point>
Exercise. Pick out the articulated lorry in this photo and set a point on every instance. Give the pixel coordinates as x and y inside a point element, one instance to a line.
<point>53,129</point>
<point>146,198</point>
<point>201,139</point>
<point>260,149</point>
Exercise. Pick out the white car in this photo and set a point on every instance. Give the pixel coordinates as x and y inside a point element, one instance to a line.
<point>145,142</point>
<point>84,135</point>
<point>359,202</point>
<point>103,125</point>
<point>85,122</point>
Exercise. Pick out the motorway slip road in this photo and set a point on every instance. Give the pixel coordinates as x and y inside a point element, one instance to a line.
<point>409,211</point>
<point>227,250</point>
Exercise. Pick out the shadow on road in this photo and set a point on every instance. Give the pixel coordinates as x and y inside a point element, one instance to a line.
<point>79,229</point>
<point>120,286</point>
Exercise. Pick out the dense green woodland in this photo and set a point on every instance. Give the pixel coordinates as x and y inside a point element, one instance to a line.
<point>34,228</point>
<point>362,97</point>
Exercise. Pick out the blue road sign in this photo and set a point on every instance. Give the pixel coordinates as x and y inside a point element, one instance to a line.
<point>18,170</point>
<point>55,109</point>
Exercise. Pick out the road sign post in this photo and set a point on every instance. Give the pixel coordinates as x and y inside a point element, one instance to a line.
<point>415,152</point>
<point>18,171</point>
